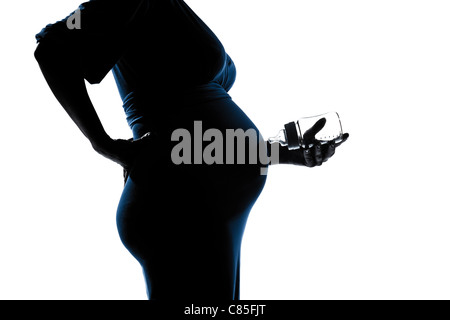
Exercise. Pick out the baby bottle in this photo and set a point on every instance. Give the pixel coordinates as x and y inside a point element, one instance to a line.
<point>300,134</point>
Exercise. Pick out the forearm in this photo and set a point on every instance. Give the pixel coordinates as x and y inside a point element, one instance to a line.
<point>63,75</point>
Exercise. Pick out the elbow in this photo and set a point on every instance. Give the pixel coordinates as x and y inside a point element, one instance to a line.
<point>41,53</point>
<point>54,58</point>
<point>38,52</point>
<point>48,53</point>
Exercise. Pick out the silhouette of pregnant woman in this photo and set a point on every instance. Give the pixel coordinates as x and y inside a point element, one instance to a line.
<point>183,222</point>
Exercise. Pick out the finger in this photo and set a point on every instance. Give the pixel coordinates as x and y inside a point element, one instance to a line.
<point>144,140</point>
<point>330,150</point>
<point>310,134</point>
<point>318,154</point>
<point>309,158</point>
<point>344,138</point>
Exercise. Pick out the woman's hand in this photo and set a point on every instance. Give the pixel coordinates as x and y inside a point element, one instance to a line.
<point>315,153</point>
<point>123,152</point>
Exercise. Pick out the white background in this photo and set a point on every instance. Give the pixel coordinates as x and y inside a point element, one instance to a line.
<point>372,223</point>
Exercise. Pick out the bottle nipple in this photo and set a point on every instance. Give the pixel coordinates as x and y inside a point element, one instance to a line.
<point>280,138</point>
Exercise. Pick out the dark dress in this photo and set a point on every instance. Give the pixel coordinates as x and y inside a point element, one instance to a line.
<point>184,223</point>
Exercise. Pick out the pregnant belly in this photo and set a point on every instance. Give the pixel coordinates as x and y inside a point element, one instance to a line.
<point>212,132</point>
<point>167,188</point>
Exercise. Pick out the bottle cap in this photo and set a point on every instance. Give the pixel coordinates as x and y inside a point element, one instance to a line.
<point>292,136</point>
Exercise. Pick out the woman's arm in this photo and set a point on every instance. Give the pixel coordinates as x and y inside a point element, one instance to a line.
<point>62,71</point>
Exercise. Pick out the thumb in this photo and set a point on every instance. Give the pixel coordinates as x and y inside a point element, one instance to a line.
<point>310,134</point>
